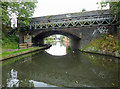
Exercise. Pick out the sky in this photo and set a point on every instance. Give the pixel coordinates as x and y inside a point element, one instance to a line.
<point>55,7</point>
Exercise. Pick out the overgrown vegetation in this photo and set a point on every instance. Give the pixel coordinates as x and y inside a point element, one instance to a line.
<point>107,43</point>
<point>9,42</point>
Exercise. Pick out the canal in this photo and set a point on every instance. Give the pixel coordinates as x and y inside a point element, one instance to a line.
<point>59,66</point>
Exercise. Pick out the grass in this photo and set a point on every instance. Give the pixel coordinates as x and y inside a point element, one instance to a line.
<point>4,54</point>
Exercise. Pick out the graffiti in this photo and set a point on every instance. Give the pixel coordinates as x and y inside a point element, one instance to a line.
<point>101,30</point>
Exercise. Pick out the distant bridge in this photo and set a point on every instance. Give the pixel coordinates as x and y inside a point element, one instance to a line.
<point>81,27</point>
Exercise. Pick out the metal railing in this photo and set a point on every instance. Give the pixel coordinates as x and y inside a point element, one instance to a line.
<point>89,18</point>
<point>25,45</point>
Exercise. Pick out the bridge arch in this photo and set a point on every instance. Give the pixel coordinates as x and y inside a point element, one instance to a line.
<point>47,33</point>
<point>39,37</point>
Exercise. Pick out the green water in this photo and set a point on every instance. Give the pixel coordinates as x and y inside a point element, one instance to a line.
<point>57,67</point>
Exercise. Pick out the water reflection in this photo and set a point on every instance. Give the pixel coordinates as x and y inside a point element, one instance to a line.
<point>75,69</point>
<point>13,81</point>
<point>58,49</point>
<point>40,84</point>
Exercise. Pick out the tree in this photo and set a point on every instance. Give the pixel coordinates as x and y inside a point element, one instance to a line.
<point>83,9</point>
<point>21,9</point>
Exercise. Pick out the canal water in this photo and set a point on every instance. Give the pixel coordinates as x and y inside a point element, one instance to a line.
<point>59,66</point>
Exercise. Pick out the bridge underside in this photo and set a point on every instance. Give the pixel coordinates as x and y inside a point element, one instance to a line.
<point>75,40</point>
<point>47,33</point>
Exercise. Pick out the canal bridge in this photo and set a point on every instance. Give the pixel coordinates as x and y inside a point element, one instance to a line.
<point>81,27</point>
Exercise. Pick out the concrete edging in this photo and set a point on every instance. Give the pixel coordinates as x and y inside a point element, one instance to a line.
<point>16,55</point>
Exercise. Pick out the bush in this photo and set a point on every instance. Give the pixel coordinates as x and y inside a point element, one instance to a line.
<point>9,42</point>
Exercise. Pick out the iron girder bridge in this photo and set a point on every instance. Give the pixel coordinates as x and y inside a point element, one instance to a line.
<point>88,18</point>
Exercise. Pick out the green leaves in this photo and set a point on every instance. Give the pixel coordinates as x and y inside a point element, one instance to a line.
<point>83,9</point>
<point>23,9</point>
<point>114,7</point>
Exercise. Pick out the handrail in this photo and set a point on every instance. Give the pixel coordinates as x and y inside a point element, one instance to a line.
<point>25,44</point>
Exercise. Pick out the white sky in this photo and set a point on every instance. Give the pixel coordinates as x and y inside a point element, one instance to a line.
<point>54,7</point>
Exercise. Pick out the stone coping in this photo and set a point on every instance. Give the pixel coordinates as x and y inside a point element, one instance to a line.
<point>115,54</point>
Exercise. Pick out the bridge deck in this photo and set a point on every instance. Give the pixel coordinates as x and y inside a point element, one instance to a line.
<point>90,18</point>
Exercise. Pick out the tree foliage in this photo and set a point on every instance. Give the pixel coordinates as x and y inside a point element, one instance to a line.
<point>83,9</point>
<point>21,9</point>
<point>114,7</point>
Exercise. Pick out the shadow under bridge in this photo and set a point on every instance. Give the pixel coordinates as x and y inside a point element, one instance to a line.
<point>75,37</point>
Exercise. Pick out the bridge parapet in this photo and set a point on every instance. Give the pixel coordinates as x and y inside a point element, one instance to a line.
<point>88,18</point>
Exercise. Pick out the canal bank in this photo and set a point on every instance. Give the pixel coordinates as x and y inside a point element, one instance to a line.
<point>10,48</point>
<point>19,52</point>
<point>105,45</point>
